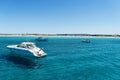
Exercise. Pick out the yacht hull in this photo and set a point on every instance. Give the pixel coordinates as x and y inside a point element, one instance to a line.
<point>24,53</point>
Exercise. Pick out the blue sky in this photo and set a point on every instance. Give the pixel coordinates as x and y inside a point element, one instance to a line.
<point>60,16</point>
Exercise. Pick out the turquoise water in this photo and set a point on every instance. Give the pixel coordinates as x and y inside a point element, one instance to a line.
<point>67,59</point>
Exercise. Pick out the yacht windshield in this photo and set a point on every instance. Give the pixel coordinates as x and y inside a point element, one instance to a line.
<point>30,46</point>
<point>21,45</point>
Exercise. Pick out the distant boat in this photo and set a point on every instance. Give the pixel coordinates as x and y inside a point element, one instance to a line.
<point>85,41</point>
<point>27,48</point>
<point>41,39</point>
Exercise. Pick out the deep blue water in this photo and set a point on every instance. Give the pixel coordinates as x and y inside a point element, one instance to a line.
<point>67,59</point>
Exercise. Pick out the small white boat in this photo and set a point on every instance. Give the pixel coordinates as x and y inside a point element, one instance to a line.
<point>85,41</point>
<point>41,39</point>
<point>27,48</point>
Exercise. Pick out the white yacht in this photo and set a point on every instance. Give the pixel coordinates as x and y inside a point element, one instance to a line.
<point>27,48</point>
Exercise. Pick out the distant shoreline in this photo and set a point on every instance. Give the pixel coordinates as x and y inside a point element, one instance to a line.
<point>66,35</point>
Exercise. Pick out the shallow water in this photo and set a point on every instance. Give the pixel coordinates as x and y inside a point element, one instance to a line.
<point>67,59</point>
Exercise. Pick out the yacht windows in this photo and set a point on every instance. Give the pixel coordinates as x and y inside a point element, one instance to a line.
<point>30,46</point>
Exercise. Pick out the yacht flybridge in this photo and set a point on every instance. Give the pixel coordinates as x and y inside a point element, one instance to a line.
<point>27,48</point>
